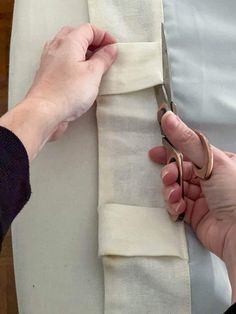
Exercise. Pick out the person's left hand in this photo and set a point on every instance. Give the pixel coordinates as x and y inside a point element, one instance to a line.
<point>70,72</point>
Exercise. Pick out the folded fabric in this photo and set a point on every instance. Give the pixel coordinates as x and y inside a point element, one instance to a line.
<point>138,66</point>
<point>139,231</point>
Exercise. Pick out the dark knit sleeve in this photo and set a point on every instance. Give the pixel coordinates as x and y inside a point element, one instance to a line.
<point>15,188</point>
<point>231,310</point>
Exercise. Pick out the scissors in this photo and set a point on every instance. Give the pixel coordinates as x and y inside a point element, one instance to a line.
<point>165,102</point>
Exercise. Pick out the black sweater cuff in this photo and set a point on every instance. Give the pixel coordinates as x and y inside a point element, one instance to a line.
<point>231,310</point>
<point>15,187</point>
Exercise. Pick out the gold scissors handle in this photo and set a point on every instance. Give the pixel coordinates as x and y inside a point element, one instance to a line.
<point>177,157</point>
<point>173,155</point>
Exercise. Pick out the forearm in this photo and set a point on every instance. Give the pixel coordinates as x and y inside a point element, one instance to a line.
<point>23,131</point>
<point>32,122</point>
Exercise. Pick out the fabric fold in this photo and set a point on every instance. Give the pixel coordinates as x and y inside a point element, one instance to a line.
<point>139,231</point>
<point>138,66</point>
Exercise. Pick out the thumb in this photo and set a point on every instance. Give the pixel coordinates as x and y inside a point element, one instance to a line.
<point>183,138</point>
<point>103,58</point>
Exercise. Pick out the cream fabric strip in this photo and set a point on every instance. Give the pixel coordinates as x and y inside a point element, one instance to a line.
<point>145,285</point>
<point>144,71</point>
<point>139,231</point>
<point>127,128</point>
<point>142,250</point>
<point>130,21</point>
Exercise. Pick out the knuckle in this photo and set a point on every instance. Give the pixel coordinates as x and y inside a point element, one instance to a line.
<point>105,62</point>
<point>186,135</point>
<point>86,27</point>
<point>172,167</point>
<point>46,45</point>
<point>64,29</point>
<point>90,67</point>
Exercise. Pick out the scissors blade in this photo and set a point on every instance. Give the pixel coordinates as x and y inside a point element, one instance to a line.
<point>165,66</point>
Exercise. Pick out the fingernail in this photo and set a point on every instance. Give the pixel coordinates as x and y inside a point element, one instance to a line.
<point>170,193</point>
<point>111,49</point>
<point>179,208</point>
<point>172,120</point>
<point>164,173</point>
<point>114,39</point>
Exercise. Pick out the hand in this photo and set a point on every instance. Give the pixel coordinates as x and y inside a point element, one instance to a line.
<point>70,72</point>
<point>66,85</point>
<point>209,205</point>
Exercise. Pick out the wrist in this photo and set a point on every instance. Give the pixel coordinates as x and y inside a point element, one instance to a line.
<point>33,121</point>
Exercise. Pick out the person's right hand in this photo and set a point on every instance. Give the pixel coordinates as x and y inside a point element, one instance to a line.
<point>209,205</point>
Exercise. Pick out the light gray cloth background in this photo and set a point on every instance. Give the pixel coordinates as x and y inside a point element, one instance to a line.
<point>55,237</point>
<point>201,39</point>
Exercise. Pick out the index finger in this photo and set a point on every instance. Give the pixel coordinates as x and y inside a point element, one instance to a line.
<point>159,154</point>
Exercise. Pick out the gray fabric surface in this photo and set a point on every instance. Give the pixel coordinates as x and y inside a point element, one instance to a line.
<point>201,38</point>
<point>55,237</point>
